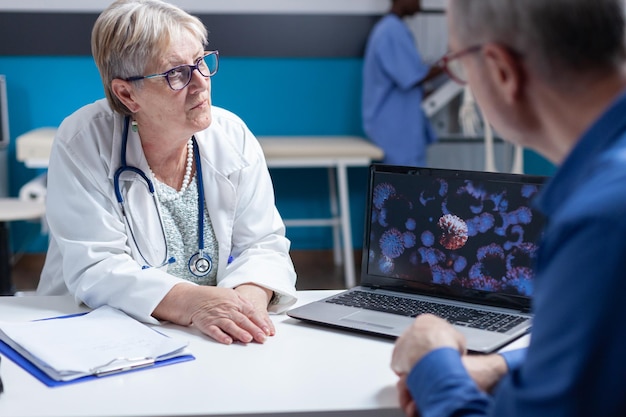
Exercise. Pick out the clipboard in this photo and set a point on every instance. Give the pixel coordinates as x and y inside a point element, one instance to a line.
<point>28,366</point>
<point>115,367</point>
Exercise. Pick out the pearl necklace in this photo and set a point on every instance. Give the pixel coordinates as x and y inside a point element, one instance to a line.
<point>186,178</point>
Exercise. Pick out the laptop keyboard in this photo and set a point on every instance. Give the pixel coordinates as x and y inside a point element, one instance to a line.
<point>462,316</point>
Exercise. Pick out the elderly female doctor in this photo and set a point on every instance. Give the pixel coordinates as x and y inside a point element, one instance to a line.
<point>160,204</point>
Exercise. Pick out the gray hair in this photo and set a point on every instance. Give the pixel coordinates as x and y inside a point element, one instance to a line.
<point>558,38</point>
<point>129,34</point>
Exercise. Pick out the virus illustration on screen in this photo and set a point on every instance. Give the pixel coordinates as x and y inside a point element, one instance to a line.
<point>392,243</point>
<point>453,232</point>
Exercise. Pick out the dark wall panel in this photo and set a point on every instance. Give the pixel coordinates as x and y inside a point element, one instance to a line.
<point>279,35</point>
<point>45,33</point>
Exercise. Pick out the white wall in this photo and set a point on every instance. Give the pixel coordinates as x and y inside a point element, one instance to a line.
<point>214,6</point>
<point>431,35</point>
<point>225,6</point>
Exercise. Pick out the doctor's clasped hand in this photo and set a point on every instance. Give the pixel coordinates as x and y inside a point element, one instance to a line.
<point>159,203</point>
<point>225,314</point>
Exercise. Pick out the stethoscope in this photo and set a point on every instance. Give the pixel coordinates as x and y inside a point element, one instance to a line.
<point>200,263</point>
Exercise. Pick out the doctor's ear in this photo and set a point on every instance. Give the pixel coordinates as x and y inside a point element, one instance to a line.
<point>125,92</point>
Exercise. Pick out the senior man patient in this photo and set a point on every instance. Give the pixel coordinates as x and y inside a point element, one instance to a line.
<point>550,75</point>
<point>159,203</point>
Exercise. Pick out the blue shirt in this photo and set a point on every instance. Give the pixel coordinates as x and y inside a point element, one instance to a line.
<point>576,360</point>
<point>392,102</point>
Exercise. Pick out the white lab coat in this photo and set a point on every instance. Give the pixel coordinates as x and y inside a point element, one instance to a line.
<point>91,254</point>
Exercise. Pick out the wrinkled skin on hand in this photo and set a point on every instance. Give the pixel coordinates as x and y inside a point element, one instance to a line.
<point>226,315</point>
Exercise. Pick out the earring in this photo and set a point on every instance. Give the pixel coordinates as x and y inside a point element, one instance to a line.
<point>134,126</point>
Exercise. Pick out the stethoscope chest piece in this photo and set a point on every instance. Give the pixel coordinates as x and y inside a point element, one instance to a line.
<point>200,264</point>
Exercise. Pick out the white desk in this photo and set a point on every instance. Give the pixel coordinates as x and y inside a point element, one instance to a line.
<point>302,371</point>
<point>336,153</point>
<point>33,147</point>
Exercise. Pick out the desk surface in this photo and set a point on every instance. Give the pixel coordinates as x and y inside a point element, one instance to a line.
<point>303,371</point>
<point>319,147</point>
<point>33,147</point>
<point>15,209</point>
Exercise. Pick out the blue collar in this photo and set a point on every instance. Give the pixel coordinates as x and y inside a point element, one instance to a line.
<point>601,135</point>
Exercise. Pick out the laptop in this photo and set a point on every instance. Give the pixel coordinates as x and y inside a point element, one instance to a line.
<point>455,243</point>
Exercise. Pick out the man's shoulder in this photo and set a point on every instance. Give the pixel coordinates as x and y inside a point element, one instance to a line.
<point>602,194</point>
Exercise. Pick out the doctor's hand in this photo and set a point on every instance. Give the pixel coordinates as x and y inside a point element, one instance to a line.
<point>221,313</point>
<point>260,298</point>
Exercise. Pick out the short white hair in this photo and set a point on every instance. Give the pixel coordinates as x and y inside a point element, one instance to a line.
<point>130,34</point>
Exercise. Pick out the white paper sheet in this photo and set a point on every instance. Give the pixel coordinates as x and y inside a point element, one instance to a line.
<point>105,339</point>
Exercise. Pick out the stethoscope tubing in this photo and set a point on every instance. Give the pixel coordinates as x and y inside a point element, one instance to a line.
<point>196,153</point>
<point>199,258</point>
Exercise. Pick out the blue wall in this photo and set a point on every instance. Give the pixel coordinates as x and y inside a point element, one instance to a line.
<point>296,96</point>
<point>275,96</point>
<point>285,72</point>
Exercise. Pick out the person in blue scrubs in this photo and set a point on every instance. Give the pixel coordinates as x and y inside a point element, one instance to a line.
<point>393,77</point>
<point>549,75</point>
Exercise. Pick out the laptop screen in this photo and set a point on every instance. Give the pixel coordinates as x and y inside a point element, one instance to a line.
<point>461,234</point>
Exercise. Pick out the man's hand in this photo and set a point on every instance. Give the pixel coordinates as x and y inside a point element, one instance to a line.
<point>427,333</point>
<point>486,371</point>
<point>406,401</point>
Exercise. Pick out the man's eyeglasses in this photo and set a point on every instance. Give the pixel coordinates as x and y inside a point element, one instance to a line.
<point>454,67</point>
<point>179,77</point>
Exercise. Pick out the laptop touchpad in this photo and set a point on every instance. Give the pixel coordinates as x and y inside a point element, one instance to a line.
<point>373,319</point>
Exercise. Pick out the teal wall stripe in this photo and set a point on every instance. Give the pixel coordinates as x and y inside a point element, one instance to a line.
<point>284,74</point>
<point>284,96</point>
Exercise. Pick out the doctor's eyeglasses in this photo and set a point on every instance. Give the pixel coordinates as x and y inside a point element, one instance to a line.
<point>452,65</point>
<point>179,77</point>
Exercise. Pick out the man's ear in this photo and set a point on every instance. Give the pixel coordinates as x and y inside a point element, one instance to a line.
<point>125,93</point>
<point>506,71</point>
